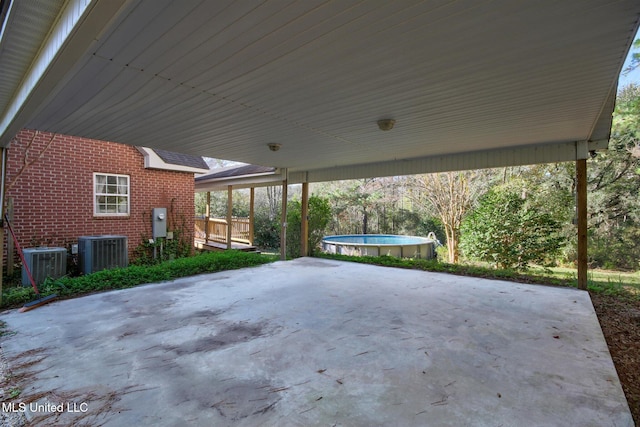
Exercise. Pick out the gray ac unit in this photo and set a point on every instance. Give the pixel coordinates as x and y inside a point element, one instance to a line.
<point>43,263</point>
<point>96,253</point>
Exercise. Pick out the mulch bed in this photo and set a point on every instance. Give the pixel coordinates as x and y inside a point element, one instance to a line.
<point>620,323</point>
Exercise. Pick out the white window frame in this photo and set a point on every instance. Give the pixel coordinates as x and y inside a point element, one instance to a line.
<point>106,192</point>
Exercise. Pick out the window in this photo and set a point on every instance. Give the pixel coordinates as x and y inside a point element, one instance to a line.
<point>110,195</point>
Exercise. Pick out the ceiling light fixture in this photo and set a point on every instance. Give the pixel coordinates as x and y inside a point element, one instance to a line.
<point>386,124</point>
<point>274,147</point>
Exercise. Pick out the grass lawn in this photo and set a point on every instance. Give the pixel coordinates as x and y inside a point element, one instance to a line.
<point>598,280</point>
<point>620,285</point>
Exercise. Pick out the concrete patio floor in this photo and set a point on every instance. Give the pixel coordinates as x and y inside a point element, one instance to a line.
<point>316,342</point>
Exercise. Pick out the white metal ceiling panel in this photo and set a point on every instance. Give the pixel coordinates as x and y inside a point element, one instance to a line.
<point>24,32</point>
<point>224,79</point>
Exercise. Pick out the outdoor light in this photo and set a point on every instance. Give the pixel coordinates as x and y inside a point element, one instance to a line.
<point>386,124</point>
<point>274,147</point>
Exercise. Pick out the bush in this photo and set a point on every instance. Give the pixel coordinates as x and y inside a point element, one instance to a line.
<point>122,278</point>
<point>509,232</point>
<point>162,249</point>
<point>617,249</point>
<point>267,231</point>
<point>319,217</point>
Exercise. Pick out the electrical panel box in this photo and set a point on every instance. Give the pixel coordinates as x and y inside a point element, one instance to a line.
<point>159,226</point>
<point>43,263</point>
<point>96,253</point>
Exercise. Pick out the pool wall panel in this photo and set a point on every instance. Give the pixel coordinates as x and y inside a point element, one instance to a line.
<point>424,250</point>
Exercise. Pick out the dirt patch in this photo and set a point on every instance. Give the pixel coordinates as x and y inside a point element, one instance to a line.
<point>8,391</point>
<point>314,262</point>
<point>57,407</point>
<point>243,399</point>
<point>620,322</point>
<point>228,335</point>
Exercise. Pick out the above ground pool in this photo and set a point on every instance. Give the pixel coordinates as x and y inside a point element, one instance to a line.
<point>381,244</point>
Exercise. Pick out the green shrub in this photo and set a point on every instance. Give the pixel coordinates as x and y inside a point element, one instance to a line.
<point>134,275</point>
<point>508,231</point>
<point>267,231</point>
<point>319,217</point>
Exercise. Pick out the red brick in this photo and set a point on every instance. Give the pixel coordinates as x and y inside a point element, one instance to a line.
<point>53,196</point>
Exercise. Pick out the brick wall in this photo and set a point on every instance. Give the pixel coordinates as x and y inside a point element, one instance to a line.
<point>53,195</point>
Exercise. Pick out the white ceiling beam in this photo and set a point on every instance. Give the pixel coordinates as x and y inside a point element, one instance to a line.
<point>513,156</point>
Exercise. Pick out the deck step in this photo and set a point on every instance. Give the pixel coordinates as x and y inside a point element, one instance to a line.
<point>220,246</point>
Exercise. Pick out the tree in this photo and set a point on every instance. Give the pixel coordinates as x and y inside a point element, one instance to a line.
<point>319,217</point>
<point>267,217</point>
<point>614,188</point>
<point>351,202</point>
<point>613,185</point>
<point>450,195</point>
<point>635,58</point>
<point>389,207</point>
<point>553,187</point>
<point>510,230</point>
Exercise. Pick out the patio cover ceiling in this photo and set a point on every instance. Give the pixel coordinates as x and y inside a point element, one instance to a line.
<point>469,83</point>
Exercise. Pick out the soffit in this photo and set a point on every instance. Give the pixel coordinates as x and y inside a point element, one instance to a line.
<point>223,79</point>
<point>23,33</point>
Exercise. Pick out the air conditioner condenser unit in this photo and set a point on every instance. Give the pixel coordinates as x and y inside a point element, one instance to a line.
<point>43,263</point>
<point>96,253</point>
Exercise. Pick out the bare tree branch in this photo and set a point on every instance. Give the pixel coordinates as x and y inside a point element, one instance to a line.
<point>26,162</point>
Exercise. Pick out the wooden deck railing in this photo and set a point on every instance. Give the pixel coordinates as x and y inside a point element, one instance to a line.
<point>217,229</point>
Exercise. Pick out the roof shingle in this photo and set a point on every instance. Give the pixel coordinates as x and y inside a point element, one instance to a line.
<point>181,159</point>
<point>236,171</point>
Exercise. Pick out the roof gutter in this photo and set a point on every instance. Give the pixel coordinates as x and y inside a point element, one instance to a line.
<point>265,179</point>
<point>5,11</point>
